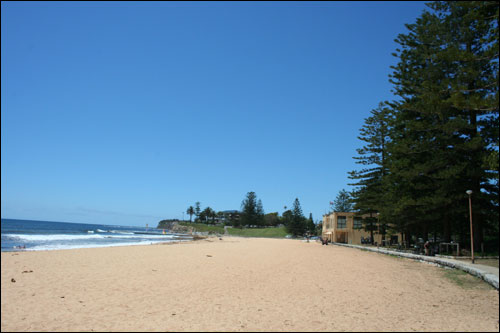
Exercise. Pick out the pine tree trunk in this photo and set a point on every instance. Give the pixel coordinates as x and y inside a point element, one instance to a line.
<point>371,232</point>
<point>447,229</point>
<point>476,183</point>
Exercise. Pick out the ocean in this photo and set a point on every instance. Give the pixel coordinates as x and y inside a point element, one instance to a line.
<point>26,235</point>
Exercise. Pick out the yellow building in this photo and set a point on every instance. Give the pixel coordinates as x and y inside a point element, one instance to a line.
<point>342,227</point>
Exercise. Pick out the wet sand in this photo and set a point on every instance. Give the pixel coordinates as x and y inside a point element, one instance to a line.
<point>236,284</point>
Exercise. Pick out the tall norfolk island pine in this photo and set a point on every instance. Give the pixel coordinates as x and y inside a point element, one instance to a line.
<point>369,194</point>
<point>252,212</point>
<point>441,137</point>
<point>343,202</point>
<point>446,124</point>
<point>311,227</point>
<point>297,225</point>
<point>197,210</point>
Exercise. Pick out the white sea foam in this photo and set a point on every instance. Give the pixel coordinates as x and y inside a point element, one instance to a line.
<point>121,232</point>
<point>54,237</point>
<point>69,237</point>
<point>141,236</point>
<point>68,247</point>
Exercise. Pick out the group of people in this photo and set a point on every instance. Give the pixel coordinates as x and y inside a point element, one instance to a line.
<point>427,244</point>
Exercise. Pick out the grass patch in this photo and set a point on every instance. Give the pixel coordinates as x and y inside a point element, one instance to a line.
<point>200,227</point>
<point>245,232</point>
<point>258,232</point>
<point>465,280</point>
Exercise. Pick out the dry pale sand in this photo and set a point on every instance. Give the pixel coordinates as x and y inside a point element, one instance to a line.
<point>236,284</point>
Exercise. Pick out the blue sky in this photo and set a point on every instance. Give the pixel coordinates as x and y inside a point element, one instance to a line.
<point>129,112</point>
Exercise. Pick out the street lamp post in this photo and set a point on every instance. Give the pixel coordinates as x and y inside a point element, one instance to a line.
<point>469,192</point>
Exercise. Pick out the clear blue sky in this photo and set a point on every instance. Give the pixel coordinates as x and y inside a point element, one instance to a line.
<point>128,112</point>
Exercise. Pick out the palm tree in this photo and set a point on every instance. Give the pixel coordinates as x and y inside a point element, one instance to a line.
<point>206,214</point>
<point>190,211</point>
<point>220,215</point>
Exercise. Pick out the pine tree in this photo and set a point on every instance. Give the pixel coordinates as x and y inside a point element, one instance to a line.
<point>197,210</point>
<point>423,140</point>
<point>311,227</point>
<point>342,202</point>
<point>446,124</point>
<point>252,212</point>
<point>297,224</point>
<point>369,193</point>
<point>472,42</point>
<point>259,213</point>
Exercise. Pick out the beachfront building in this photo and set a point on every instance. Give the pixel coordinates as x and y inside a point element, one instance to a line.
<point>346,227</point>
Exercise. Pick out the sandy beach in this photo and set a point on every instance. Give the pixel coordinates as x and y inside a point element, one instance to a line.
<point>236,284</point>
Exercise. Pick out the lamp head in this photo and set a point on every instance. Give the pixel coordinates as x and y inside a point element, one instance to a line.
<point>469,192</point>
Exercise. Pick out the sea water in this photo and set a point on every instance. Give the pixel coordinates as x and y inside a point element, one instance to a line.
<point>26,235</point>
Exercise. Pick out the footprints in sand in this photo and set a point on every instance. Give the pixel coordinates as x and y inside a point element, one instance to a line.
<point>14,280</point>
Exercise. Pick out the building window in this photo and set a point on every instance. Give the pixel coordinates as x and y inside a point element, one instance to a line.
<point>358,223</point>
<point>341,222</point>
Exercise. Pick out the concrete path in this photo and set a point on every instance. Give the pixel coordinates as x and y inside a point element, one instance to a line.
<point>487,273</point>
<point>485,268</point>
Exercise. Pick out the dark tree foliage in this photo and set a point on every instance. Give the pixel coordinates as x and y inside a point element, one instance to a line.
<point>286,218</point>
<point>343,202</point>
<point>197,210</point>
<point>311,227</point>
<point>369,194</point>
<point>297,225</point>
<point>190,212</point>
<point>440,138</point>
<point>252,212</point>
<point>271,219</point>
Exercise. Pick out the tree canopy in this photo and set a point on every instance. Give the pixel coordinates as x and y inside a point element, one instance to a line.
<point>440,136</point>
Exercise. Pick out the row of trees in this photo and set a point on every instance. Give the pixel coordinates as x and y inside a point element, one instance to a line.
<point>441,136</point>
<point>252,215</point>
<point>207,215</point>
